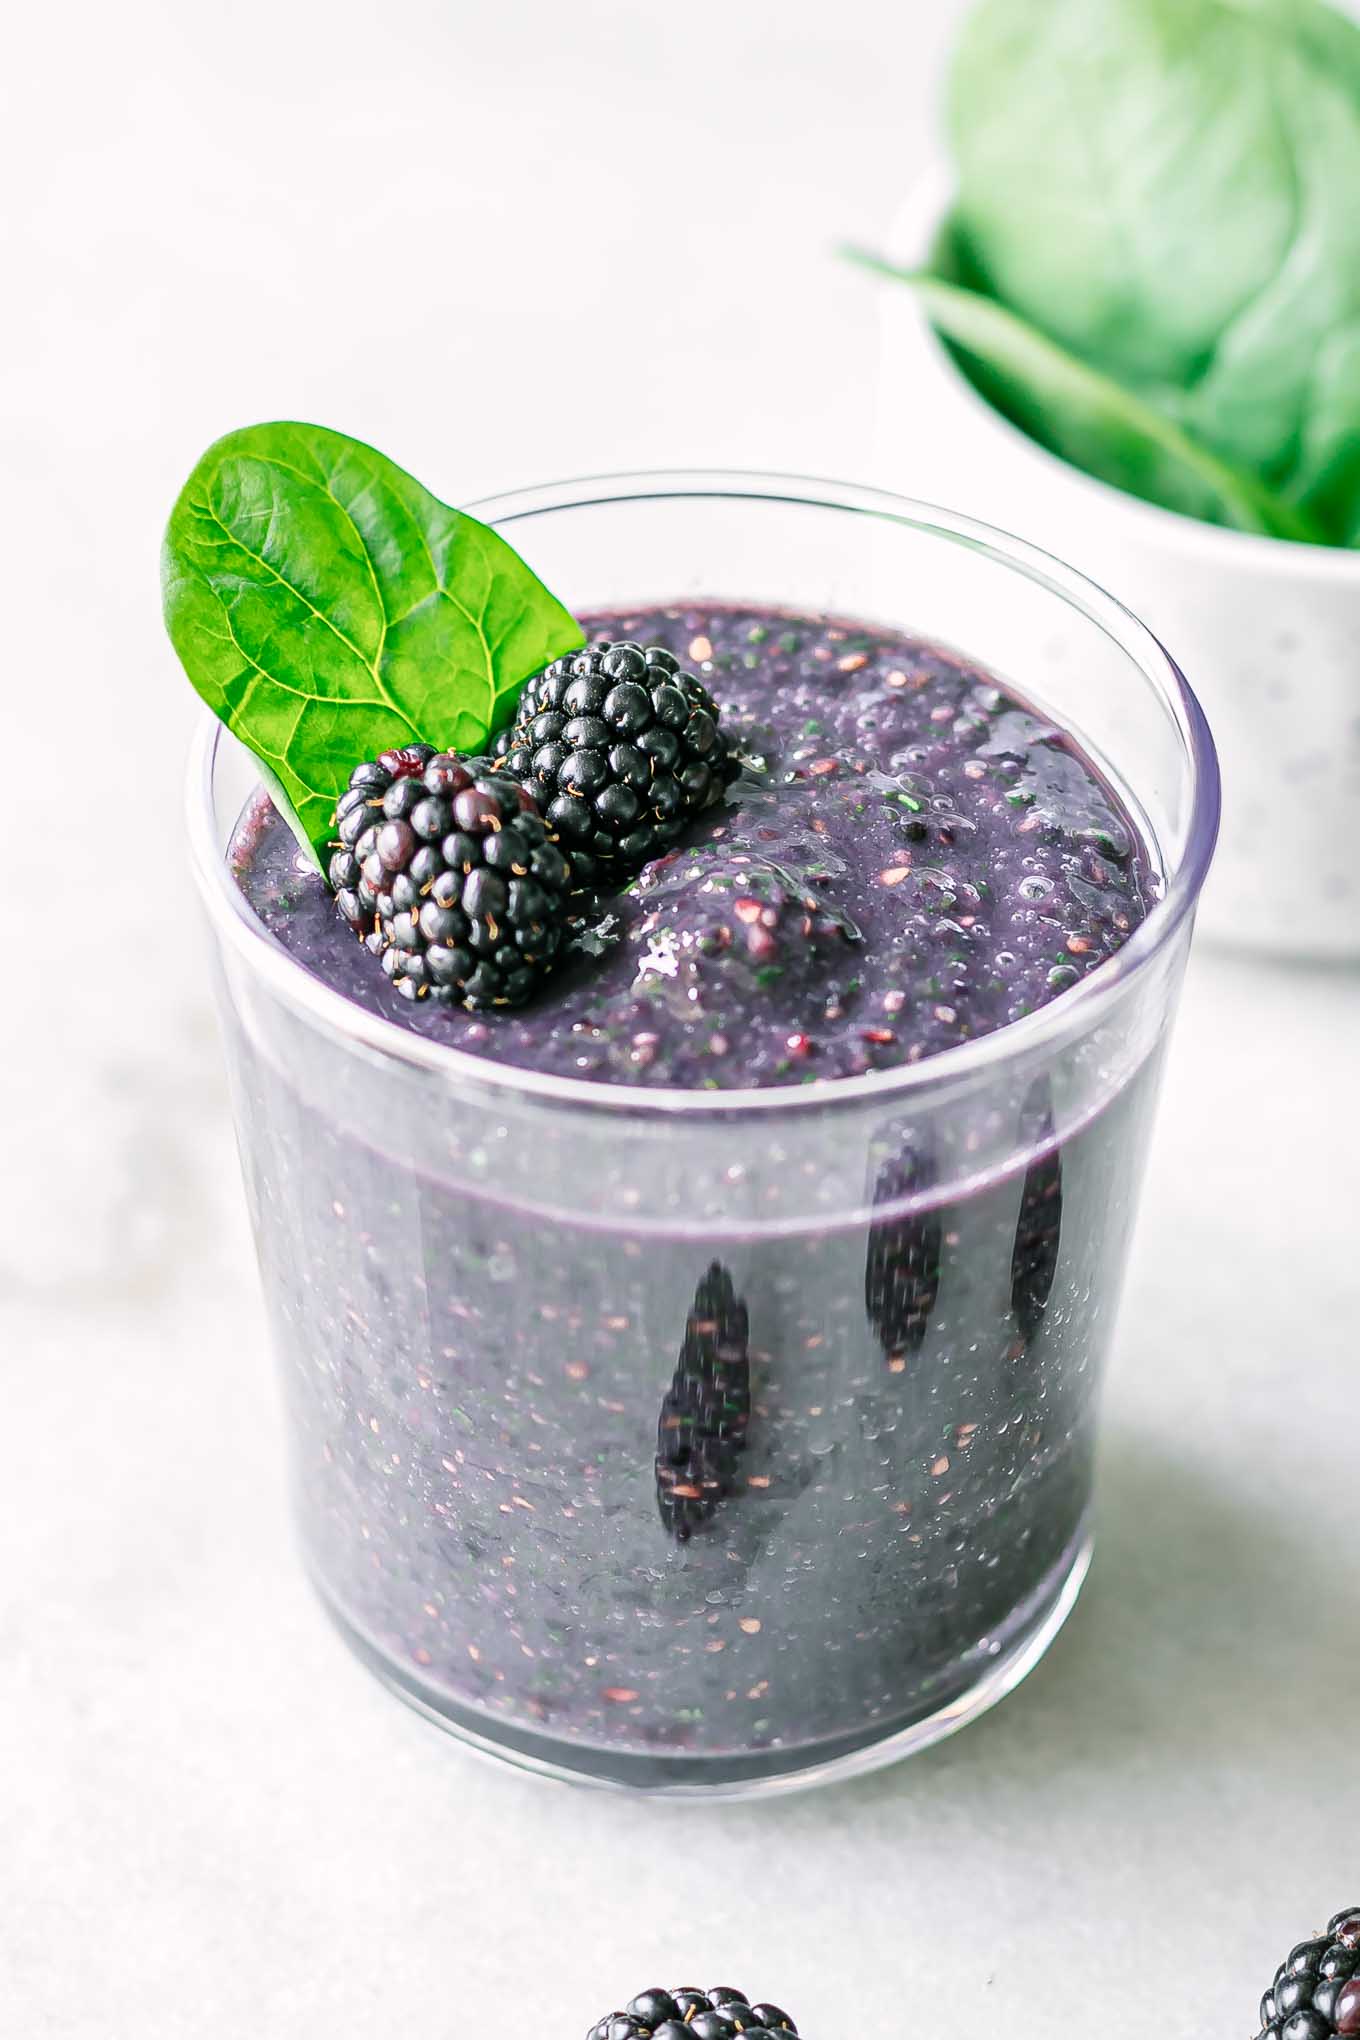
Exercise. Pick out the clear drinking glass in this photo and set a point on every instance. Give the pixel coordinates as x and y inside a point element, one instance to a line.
<point>480,1278</point>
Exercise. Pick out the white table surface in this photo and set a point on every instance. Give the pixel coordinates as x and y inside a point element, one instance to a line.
<point>510,242</point>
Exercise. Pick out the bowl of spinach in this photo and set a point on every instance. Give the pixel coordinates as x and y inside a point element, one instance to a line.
<point>1126,321</point>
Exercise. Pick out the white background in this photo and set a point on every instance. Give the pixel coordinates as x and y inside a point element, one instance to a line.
<point>508,242</point>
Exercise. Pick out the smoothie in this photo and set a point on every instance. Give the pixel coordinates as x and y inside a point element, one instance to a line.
<point>667,1501</point>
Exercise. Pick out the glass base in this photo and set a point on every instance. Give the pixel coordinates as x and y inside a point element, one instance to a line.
<point>737,1774</point>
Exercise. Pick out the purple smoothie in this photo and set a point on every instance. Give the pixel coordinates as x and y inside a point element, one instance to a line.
<point>664,1505</point>
<point>909,860</point>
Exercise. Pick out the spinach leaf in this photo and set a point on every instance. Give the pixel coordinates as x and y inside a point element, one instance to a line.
<point>1168,189</point>
<point>1091,420</point>
<point>326,606</point>
<point>1085,189</point>
<point>1326,483</point>
<point>1329,38</point>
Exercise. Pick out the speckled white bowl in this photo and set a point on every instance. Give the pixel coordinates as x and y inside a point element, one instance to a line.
<point>1267,631</point>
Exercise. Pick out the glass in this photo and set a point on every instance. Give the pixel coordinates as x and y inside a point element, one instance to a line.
<point>495,1294</point>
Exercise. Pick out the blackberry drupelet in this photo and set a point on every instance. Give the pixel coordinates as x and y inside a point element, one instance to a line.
<point>684,2014</point>
<point>448,872</point>
<point>621,748</point>
<point>1316,1992</point>
<point>706,1411</point>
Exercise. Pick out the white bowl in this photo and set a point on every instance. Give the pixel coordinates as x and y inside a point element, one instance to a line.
<point>1266,631</point>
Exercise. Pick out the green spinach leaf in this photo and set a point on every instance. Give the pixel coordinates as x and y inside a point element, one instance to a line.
<point>1326,483</point>
<point>1168,188</point>
<point>1088,418</point>
<point>326,606</point>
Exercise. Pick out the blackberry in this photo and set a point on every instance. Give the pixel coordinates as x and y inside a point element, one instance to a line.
<point>448,872</point>
<point>706,1411</point>
<point>1316,1992</point>
<point>621,749</point>
<point>683,2014</point>
<point>902,1265</point>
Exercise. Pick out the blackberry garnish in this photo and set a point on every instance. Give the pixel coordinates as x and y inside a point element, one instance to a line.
<point>1038,1231</point>
<point>621,748</point>
<point>1316,1992</point>
<point>448,872</point>
<point>683,2014</point>
<point>902,1265</point>
<point>707,1409</point>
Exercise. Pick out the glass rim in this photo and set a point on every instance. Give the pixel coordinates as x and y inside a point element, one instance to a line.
<point>1065,1016</point>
